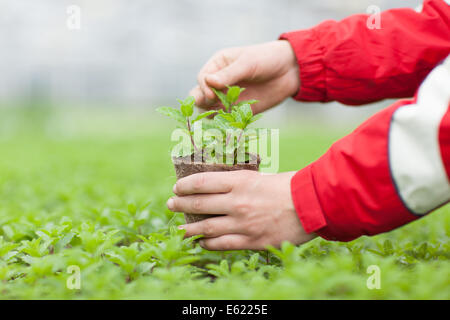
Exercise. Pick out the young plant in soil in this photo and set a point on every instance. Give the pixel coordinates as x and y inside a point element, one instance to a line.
<point>218,144</point>
<point>231,122</point>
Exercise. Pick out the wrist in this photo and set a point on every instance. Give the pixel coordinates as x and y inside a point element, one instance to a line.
<point>292,67</point>
<point>295,227</point>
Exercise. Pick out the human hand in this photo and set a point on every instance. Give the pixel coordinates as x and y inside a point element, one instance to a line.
<point>268,71</point>
<point>257,209</point>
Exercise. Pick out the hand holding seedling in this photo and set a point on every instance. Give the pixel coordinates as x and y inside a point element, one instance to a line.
<point>254,207</point>
<point>257,209</point>
<point>268,71</point>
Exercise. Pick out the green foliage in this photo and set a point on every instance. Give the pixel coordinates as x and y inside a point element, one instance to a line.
<point>187,106</point>
<point>173,113</point>
<point>96,199</point>
<point>231,122</point>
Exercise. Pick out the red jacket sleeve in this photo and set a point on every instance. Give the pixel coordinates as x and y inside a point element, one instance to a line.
<point>391,170</point>
<point>350,63</point>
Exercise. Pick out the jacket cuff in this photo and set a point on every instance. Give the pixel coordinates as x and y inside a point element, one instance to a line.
<point>306,202</point>
<point>309,53</point>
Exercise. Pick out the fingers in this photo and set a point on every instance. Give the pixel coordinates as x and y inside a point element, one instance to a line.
<point>226,242</point>
<point>198,95</point>
<point>230,75</point>
<point>212,227</point>
<point>213,65</point>
<point>206,182</point>
<point>201,101</point>
<point>201,203</point>
<point>222,69</point>
<point>209,95</point>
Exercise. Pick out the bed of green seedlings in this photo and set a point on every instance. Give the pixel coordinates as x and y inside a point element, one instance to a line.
<point>89,195</point>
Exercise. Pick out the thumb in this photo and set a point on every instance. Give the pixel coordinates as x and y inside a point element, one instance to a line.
<point>230,75</point>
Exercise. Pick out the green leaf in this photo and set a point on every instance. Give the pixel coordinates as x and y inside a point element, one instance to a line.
<point>186,110</point>
<point>233,94</point>
<point>172,113</point>
<point>221,122</point>
<point>247,102</point>
<point>227,116</point>
<point>204,115</point>
<point>246,112</point>
<point>132,208</point>
<point>186,260</point>
<point>238,125</point>
<point>255,118</point>
<point>223,98</point>
<point>388,248</point>
<point>237,116</point>
<point>187,106</point>
<point>145,267</point>
<point>253,261</point>
<point>64,241</point>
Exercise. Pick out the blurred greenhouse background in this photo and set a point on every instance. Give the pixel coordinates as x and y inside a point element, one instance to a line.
<point>141,53</point>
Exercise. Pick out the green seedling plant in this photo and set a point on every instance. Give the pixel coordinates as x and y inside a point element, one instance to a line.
<point>232,124</point>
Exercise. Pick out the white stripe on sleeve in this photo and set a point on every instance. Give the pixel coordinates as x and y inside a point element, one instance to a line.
<point>414,152</point>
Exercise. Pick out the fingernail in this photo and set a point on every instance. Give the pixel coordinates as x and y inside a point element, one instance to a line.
<point>213,77</point>
<point>181,227</point>
<point>174,189</point>
<point>170,204</point>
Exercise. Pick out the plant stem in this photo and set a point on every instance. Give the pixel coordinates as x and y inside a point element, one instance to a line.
<point>237,146</point>
<point>240,136</point>
<point>190,135</point>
